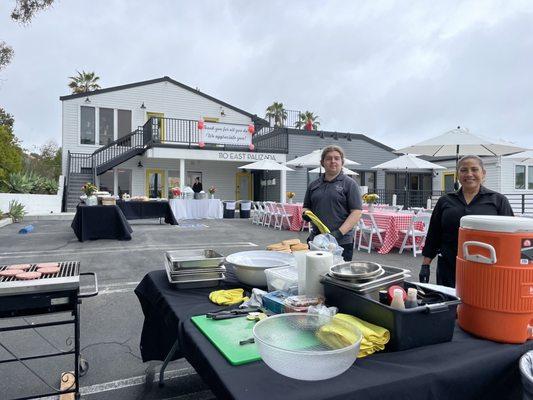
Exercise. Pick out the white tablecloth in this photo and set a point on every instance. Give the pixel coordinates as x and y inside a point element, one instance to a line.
<point>196,209</point>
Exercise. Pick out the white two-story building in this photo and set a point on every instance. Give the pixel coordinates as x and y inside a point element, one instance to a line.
<point>143,139</point>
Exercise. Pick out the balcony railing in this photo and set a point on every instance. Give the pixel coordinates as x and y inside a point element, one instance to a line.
<point>184,133</point>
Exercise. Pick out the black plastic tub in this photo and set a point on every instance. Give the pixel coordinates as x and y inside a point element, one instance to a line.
<point>414,327</point>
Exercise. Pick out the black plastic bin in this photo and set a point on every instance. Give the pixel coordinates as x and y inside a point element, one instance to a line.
<point>229,209</point>
<point>414,327</point>
<point>244,208</point>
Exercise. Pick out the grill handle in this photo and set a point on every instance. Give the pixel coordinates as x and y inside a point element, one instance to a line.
<point>93,293</point>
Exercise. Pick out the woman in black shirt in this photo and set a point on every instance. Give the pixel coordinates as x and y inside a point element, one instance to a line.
<point>471,199</point>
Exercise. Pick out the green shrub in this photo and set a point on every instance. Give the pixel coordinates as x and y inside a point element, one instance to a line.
<point>28,182</point>
<point>16,211</point>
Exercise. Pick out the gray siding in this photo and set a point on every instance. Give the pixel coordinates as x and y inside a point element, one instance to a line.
<point>362,151</point>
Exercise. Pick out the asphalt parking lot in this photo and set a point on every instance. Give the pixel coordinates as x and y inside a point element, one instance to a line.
<point>111,322</point>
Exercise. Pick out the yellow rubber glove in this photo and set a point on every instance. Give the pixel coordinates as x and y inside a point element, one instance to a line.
<point>318,223</point>
<point>228,297</point>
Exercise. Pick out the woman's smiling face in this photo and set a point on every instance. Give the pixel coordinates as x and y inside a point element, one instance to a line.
<point>471,174</point>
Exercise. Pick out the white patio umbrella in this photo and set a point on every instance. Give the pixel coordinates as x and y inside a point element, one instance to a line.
<point>522,156</point>
<point>345,171</point>
<point>460,142</point>
<point>266,165</point>
<point>407,162</point>
<point>313,160</point>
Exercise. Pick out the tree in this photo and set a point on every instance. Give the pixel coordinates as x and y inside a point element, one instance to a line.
<point>84,82</point>
<point>10,153</point>
<point>307,120</point>
<point>277,112</point>
<point>6,119</point>
<point>46,163</point>
<point>23,12</point>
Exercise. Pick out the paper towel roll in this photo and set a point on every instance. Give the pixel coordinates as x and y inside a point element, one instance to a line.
<point>299,256</point>
<point>428,204</point>
<point>394,199</point>
<point>316,263</point>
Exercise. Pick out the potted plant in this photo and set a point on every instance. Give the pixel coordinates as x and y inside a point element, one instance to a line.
<point>212,190</point>
<point>16,211</point>
<point>89,189</point>
<point>370,199</point>
<point>290,196</point>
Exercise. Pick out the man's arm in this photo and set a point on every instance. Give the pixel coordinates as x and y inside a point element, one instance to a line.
<point>350,222</point>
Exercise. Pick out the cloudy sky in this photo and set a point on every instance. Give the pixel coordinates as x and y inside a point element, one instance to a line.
<point>397,71</point>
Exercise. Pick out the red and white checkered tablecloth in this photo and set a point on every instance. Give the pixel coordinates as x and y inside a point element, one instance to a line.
<point>295,211</point>
<point>393,223</point>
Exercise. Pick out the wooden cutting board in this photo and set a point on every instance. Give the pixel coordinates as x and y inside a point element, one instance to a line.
<point>226,334</point>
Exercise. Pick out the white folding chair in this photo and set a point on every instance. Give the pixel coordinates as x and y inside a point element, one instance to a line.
<point>281,216</point>
<point>306,225</point>
<point>413,233</point>
<point>270,212</point>
<point>369,228</point>
<point>256,213</point>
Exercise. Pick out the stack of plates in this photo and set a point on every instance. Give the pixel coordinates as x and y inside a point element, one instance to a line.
<point>357,271</point>
<point>194,268</point>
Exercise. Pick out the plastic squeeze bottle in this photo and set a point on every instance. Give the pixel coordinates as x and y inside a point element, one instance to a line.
<point>411,301</point>
<point>397,300</point>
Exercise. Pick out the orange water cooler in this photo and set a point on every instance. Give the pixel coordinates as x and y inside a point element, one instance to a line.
<point>495,277</point>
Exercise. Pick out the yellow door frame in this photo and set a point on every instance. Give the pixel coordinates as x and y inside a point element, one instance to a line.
<point>444,175</point>
<point>163,180</point>
<point>238,175</point>
<point>161,122</point>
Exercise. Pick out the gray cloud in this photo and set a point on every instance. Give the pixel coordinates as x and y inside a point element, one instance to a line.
<point>399,72</point>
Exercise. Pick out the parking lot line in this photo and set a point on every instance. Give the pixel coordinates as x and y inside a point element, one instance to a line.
<point>20,254</point>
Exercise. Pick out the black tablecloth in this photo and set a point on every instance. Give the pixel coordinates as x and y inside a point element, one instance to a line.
<point>465,368</point>
<point>100,222</point>
<point>147,210</point>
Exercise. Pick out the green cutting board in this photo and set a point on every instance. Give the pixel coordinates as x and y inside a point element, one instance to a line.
<point>225,334</point>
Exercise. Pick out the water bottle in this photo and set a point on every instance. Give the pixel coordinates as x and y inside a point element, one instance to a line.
<point>411,301</point>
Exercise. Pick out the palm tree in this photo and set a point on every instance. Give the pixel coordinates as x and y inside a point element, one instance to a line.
<point>277,112</point>
<point>307,120</point>
<point>84,82</point>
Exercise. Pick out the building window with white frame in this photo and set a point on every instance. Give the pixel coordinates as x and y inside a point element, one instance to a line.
<point>124,181</point>
<point>520,177</point>
<point>106,126</point>
<point>107,182</point>
<point>87,125</point>
<point>530,177</point>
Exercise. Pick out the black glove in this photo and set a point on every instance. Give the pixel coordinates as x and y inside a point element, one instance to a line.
<point>423,276</point>
<point>337,234</point>
<point>305,217</point>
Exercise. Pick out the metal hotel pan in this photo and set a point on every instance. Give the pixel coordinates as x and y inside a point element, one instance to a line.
<point>197,258</point>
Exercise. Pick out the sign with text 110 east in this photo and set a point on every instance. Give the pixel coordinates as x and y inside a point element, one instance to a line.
<point>236,135</point>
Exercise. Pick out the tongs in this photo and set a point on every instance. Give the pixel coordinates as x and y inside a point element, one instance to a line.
<point>235,313</point>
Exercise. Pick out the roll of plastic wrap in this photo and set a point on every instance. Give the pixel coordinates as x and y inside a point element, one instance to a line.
<point>394,199</point>
<point>316,263</point>
<point>299,256</point>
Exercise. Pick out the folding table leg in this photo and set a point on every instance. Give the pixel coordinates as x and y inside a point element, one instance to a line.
<point>166,361</point>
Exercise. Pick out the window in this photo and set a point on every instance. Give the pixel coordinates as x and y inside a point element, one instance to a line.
<point>530,177</point>
<point>87,127</point>
<point>124,181</point>
<point>449,181</point>
<point>107,182</point>
<point>520,177</point>
<point>106,126</point>
<point>124,123</point>
<point>366,178</point>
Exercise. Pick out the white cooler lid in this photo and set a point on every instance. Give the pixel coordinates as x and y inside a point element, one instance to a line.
<point>497,223</point>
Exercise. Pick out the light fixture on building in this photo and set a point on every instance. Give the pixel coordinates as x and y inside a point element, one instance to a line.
<point>222,112</point>
<point>349,137</point>
<point>143,107</point>
<point>140,164</point>
<point>321,135</point>
<point>336,136</point>
<point>87,100</point>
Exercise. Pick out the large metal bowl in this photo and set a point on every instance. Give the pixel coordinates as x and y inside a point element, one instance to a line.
<point>357,271</point>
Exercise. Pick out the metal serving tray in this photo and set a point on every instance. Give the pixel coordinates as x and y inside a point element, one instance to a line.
<point>192,281</point>
<point>391,275</point>
<point>198,258</point>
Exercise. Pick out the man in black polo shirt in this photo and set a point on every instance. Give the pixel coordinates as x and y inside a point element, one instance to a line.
<point>471,199</point>
<point>336,199</point>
